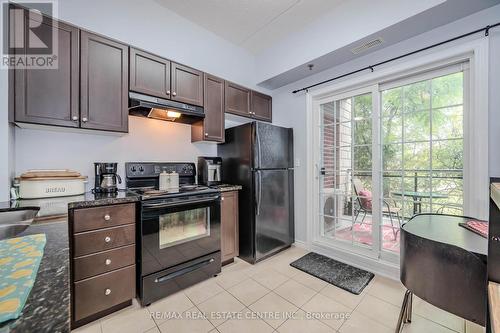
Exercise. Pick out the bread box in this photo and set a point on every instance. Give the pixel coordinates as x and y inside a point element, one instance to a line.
<point>50,183</point>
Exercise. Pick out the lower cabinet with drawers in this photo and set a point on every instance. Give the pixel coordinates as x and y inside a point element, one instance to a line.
<point>103,274</point>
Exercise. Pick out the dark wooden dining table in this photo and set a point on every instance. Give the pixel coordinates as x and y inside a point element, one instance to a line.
<point>445,265</point>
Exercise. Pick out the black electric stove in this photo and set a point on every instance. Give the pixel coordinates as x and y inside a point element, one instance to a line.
<point>179,231</point>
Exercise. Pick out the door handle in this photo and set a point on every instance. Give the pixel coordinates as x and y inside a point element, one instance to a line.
<point>172,204</point>
<point>184,271</point>
<point>259,191</point>
<point>322,171</point>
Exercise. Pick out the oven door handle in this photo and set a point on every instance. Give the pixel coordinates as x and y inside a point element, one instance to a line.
<point>184,271</point>
<point>178,203</point>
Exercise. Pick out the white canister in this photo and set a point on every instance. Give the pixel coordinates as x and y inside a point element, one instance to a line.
<point>164,183</point>
<point>174,181</point>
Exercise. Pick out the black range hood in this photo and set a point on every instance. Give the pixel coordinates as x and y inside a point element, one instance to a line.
<point>158,108</point>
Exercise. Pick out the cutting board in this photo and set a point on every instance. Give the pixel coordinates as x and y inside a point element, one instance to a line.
<point>50,174</point>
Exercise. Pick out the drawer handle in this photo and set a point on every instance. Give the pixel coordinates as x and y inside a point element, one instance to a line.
<point>107,292</point>
<point>108,262</point>
<point>107,239</point>
<point>107,217</point>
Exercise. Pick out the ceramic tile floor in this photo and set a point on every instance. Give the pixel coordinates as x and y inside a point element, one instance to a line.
<point>274,297</point>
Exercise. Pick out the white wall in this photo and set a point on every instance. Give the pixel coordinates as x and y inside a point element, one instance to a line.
<point>152,27</point>
<point>148,140</point>
<point>149,26</point>
<point>334,30</point>
<point>290,110</point>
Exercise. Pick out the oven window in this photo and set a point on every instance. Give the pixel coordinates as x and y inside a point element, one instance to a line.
<point>184,226</point>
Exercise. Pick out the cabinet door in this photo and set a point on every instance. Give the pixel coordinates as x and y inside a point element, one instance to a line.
<point>213,124</point>
<point>104,83</point>
<point>261,106</point>
<point>48,96</point>
<point>149,74</point>
<point>187,85</point>
<point>237,99</point>
<point>229,226</point>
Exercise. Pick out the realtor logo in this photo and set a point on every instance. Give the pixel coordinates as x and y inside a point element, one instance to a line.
<point>29,35</point>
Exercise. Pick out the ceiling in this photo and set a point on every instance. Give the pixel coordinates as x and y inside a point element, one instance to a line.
<point>432,18</point>
<point>251,24</point>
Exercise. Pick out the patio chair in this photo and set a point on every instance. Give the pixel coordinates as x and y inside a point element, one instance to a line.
<point>364,198</point>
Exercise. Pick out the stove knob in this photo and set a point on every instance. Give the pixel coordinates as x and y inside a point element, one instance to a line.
<point>133,169</point>
<point>141,168</point>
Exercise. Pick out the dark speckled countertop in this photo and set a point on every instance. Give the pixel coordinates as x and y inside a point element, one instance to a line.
<point>47,308</point>
<point>227,187</point>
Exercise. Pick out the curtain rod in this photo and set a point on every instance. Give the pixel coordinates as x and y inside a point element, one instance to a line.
<point>486,30</point>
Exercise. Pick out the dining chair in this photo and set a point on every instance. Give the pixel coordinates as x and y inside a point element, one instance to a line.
<point>364,199</point>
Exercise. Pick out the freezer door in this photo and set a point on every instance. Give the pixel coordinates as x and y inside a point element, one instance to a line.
<point>274,220</point>
<point>273,147</point>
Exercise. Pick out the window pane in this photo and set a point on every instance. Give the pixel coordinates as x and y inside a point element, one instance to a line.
<point>447,90</point>
<point>391,182</point>
<point>363,158</point>
<point>392,157</point>
<point>392,129</point>
<point>417,156</point>
<point>447,123</point>
<point>417,126</point>
<point>362,106</point>
<point>392,102</point>
<point>363,132</point>
<point>447,155</point>
<point>416,96</point>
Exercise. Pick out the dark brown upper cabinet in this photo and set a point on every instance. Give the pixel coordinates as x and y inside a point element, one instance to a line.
<point>211,128</point>
<point>149,74</point>
<point>104,83</point>
<point>237,99</point>
<point>187,84</point>
<point>261,106</point>
<point>47,96</point>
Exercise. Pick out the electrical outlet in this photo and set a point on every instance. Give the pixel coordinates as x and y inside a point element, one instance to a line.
<point>297,162</point>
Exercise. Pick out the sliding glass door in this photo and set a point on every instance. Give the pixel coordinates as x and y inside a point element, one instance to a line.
<point>345,170</point>
<point>387,152</point>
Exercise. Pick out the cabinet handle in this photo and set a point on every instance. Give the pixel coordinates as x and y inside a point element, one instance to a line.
<point>107,292</point>
<point>75,118</point>
<point>107,239</point>
<point>174,94</point>
<point>108,262</point>
<point>168,92</point>
<point>84,119</point>
<point>107,217</point>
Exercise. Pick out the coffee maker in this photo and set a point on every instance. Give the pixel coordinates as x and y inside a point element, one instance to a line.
<point>106,178</point>
<point>209,170</point>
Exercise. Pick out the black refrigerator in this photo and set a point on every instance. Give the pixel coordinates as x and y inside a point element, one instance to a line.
<point>259,157</point>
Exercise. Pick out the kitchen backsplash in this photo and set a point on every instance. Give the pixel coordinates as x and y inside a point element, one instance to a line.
<point>147,140</point>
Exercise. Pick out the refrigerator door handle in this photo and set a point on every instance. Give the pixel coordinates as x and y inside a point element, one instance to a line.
<point>259,191</point>
<point>258,145</point>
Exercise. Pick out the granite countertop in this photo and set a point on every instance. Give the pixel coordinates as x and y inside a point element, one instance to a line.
<point>227,187</point>
<point>47,308</point>
<point>90,199</point>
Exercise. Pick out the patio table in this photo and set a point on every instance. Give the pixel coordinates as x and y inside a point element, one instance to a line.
<point>417,198</point>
